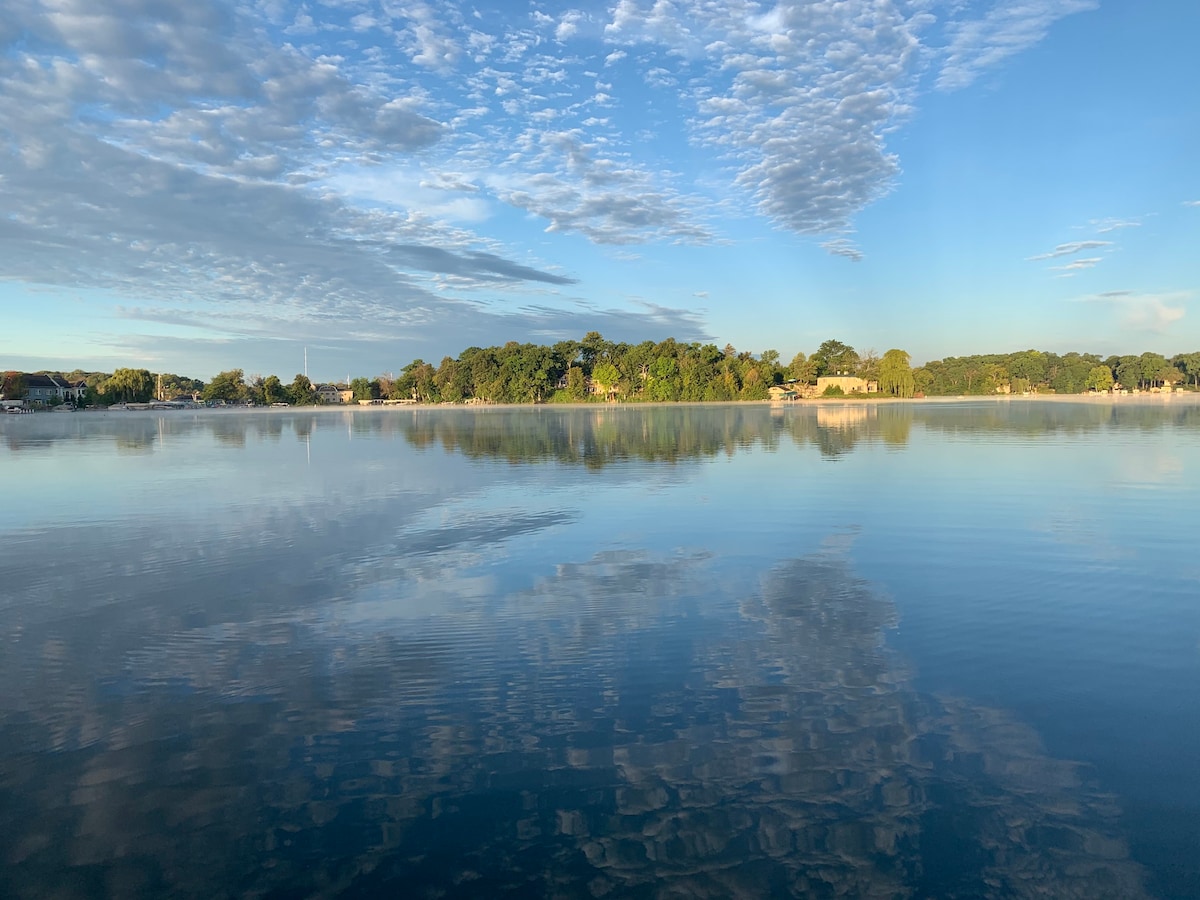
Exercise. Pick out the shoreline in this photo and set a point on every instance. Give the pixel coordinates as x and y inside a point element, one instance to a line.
<point>1185,398</point>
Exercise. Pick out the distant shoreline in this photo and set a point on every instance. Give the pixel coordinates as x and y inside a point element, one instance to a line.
<point>1186,398</point>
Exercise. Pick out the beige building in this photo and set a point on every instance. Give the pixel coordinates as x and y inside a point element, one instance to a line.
<point>333,393</point>
<point>850,384</point>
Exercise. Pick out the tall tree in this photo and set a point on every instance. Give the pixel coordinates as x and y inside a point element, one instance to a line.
<point>593,349</point>
<point>273,390</point>
<point>607,378</point>
<point>129,386</point>
<point>576,384</point>
<point>1189,363</point>
<point>301,391</point>
<point>1030,367</point>
<point>1153,366</point>
<point>896,375</point>
<point>1100,378</point>
<point>803,369</point>
<point>770,368</point>
<point>453,380</point>
<point>833,357</point>
<point>1129,372</point>
<point>228,386</point>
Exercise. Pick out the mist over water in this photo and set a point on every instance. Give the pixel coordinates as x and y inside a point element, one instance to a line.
<point>732,651</point>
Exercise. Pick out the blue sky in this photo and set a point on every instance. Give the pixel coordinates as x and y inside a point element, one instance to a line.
<point>197,186</point>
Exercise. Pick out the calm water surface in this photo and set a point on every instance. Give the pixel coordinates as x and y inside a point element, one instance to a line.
<point>944,650</point>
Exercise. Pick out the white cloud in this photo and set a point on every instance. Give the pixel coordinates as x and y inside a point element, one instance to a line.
<point>578,187</point>
<point>1147,312</point>
<point>413,191</point>
<point>568,25</point>
<point>1069,248</point>
<point>1104,226</point>
<point>798,99</point>
<point>184,164</point>
<point>1076,265</point>
<point>1008,28</point>
<point>843,247</point>
<point>185,154</point>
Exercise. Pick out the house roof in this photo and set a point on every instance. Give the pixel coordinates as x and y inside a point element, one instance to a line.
<point>43,381</point>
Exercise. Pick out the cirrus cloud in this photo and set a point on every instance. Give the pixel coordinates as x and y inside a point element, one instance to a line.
<point>1070,248</point>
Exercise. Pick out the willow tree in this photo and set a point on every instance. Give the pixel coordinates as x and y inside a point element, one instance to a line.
<point>895,374</point>
<point>129,385</point>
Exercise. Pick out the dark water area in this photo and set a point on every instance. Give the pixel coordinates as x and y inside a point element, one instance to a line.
<point>929,650</point>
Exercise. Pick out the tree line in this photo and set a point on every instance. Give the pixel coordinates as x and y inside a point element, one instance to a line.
<point>596,369</point>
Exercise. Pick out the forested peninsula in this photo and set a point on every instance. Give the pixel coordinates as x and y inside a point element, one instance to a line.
<point>598,370</point>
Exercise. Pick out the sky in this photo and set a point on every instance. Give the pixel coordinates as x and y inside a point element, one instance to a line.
<point>196,186</point>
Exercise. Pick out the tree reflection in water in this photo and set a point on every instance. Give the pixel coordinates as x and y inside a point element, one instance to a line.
<point>601,435</point>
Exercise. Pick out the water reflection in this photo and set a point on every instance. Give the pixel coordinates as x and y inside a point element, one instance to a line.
<point>421,666</point>
<point>609,731</point>
<point>598,437</point>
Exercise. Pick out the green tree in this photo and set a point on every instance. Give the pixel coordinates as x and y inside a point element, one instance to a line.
<point>452,380</point>
<point>1030,366</point>
<point>129,386</point>
<point>254,389</point>
<point>1152,366</point>
<point>1100,378</point>
<point>301,391</point>
<point>576,384</point>
<point>362,389</point>
<point>593,349</point>
<point>607,379</point>
<point>1129,372</point>
<point>833,357</point>
<point>228,386</point>
<point>1169,376</point>
<point>769,367</point>
<point>663,384</point>
<point>273,390</point>
<point>754,386</point>
<point>1189,363</point>
<point>416,382</point>
<point>803,369</point>
<point>995,377</point>
<point>896,375</point>
<point>481,369</point>
<point>169,386</point>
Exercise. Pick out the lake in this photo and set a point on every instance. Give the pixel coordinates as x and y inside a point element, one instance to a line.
<point>829,650</point>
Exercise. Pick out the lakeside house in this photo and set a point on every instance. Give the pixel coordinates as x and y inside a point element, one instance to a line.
<point>850,384</point>
<point>333,393</point>
<point>43,390</point>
